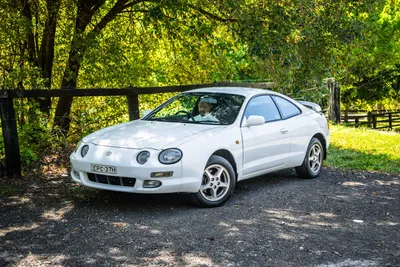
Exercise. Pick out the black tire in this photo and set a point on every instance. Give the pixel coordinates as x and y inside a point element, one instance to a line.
<point>217,189</point>
<point>309,169</point>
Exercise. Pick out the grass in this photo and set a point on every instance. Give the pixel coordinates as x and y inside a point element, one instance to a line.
<point>364,149</point>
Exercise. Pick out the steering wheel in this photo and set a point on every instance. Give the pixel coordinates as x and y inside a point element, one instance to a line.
<point>186,113</point>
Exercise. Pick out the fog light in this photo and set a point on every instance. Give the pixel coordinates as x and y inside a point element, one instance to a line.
<point>76,174</point>
<point>161,174</point>
<point>151,184</point>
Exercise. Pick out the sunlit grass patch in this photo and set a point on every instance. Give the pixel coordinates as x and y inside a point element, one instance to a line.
<point>364,149</point>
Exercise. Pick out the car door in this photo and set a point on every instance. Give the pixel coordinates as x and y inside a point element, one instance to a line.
<point>265,147</point>
<point>298,125</point>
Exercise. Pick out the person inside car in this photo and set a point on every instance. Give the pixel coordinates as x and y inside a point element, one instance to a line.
<point>205,106</point>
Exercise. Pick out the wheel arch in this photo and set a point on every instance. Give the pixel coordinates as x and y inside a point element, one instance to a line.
<point>226,154</point>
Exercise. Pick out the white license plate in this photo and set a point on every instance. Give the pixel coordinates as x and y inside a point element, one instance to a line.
<point>104,169</point>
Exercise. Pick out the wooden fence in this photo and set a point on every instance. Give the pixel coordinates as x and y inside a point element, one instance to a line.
<point>378,119</point>
<point>9,125</point>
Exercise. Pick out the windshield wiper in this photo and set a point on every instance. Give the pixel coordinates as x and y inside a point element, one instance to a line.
<point>157,119</point>
<point>208,122</point>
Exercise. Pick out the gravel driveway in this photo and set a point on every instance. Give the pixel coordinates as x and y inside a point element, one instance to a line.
<point>338,219</point>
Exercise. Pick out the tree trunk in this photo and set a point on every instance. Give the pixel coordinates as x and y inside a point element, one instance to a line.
<point>80,43</point>
<point>46,54</point>
<point>62,117</point>
<point>334,101</point>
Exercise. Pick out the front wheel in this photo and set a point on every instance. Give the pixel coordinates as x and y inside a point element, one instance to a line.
<point>217,183</point>
<point>312,163</point>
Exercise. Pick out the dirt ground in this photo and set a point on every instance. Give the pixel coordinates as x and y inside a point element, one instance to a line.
<point>339,219</point>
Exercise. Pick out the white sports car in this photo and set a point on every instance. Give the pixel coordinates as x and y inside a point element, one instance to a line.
<point>203,142</point>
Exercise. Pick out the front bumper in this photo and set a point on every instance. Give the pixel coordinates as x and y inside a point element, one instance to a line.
<point>131,175</point>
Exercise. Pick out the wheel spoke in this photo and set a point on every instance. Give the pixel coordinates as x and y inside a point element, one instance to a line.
<point>214,192</point>
<point>224,185</point>
<point>313,166</point>
<point>205,187</point>
<point>207,172</point>
<point>317,164</point>
<point>219,172</point>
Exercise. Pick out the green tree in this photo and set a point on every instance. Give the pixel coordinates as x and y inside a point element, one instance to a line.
<point>371,64</point>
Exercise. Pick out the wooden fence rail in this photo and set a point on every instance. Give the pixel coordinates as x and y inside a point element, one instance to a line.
<point>9,126</point>
<point>377,119</point>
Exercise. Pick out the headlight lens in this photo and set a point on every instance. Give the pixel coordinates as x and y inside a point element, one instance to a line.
<point>84,150</point>
<point>170,156</point>
<point>143,157</point>
<point>78,145</point>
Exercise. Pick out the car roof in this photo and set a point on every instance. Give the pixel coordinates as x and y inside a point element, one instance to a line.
<point>244,91</point>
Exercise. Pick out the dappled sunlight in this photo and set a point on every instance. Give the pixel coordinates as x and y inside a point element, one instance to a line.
<point>287,236</point>
<point>301,220</point>
<point>163,257</point>
<point>57,214</point>
<point>246,222</point>
<point>115,254</point>
<point>192,259</point>
<point>353,184</point>
<point>230,229</point>
<point>351,263</point>
<point>39,260</point>
<point>387,223</point>
<point>27,227</point>
<point>392,182</point>
<point>16,201</point>
<point>280,222</point>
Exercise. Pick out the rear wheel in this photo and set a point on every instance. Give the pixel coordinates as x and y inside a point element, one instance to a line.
<point>217,184</point>
<point>312,163</point>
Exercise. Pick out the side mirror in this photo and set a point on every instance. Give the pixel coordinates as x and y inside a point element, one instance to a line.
<point>254,120</point>
<point>146,112</point>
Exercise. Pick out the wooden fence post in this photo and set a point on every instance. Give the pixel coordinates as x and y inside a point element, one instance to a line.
<point>356,123</point>
<point>369,119</point>
<point>390,121</point>
<point>133,107</point>
<point>10,136</point>
<point>334,100</point>
<point>374,121</point>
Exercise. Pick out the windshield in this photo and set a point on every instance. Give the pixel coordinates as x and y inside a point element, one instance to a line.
<point>201,108</point>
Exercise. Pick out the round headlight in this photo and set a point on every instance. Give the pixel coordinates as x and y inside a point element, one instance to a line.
<point>84,150</point>
<point>170,156</point>
<point>143,157</point>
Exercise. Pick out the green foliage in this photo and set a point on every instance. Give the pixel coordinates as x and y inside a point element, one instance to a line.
<point>362,149</point>
<point>370,64</point>
<point>295,43</point>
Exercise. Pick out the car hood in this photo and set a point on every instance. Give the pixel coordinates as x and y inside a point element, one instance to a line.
<point>149,134</point>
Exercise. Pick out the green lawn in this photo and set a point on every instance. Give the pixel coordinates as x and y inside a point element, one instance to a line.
<point>364,149</point>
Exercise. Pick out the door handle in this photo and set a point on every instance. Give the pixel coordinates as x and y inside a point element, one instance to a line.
<point>284,131</point>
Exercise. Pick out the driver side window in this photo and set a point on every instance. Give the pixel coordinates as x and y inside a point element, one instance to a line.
<point>262,106</point>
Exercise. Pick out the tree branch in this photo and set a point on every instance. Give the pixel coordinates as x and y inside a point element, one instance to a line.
<point>114,11</point>
<point>210,15</point>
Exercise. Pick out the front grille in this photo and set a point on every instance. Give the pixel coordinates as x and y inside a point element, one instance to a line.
<point>112,180</point>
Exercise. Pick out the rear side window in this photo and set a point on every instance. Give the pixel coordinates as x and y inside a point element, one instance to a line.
<point>287,108</point>
<point>263,106</point>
